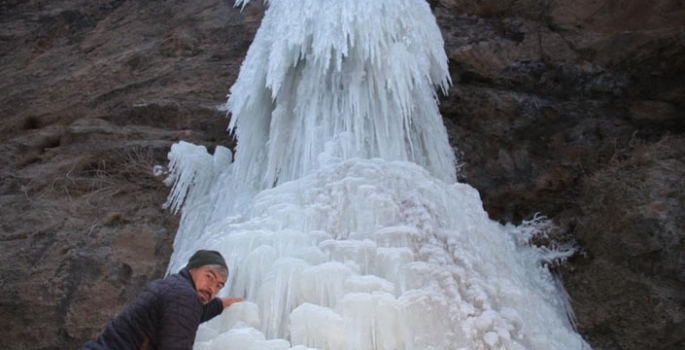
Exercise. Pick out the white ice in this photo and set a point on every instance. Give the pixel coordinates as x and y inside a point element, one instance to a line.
<point>371,254</point>
<point>341,219</point>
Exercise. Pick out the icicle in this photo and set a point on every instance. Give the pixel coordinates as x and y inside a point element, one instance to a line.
<point>190,167</point>
<point>372,70</point>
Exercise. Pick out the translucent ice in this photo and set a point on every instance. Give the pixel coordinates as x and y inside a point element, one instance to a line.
<point>329,80</point>
<point>429,270</point>
<point>341,219</point>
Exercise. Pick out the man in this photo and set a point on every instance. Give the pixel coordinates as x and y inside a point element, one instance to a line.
<point>167,314</point>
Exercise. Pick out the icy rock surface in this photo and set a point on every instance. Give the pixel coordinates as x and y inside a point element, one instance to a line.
<point>341,219</point>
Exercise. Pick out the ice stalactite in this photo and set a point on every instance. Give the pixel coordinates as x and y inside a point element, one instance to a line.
<point>326,81</point>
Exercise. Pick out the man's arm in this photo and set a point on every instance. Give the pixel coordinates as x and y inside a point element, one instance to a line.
<point>213,308</point>
<point>216,306</point>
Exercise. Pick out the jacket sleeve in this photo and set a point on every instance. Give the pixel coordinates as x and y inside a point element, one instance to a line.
<point>180,318</point>
<point>214,308</point>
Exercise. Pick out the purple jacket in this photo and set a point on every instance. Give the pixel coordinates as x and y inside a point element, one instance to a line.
<point>165,316</point>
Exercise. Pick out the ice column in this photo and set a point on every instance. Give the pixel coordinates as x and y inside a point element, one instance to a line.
<point>341,219</point>
<point>329,80</point>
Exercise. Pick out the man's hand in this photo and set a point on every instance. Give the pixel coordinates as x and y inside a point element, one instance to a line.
<point>228,301</point>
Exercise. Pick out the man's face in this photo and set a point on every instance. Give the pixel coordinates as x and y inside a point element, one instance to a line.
<point>208,281</point>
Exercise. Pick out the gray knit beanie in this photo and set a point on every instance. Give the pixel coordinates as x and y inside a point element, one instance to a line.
<point>206,257</point>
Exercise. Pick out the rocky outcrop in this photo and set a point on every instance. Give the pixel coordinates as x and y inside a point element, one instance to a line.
<point>92,95</point>
<point>575,110</point>
<point>569,109</point>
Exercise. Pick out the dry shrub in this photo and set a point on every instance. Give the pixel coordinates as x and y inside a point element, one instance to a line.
<point>639,176</point>
<point>638,153</point>
<point>86,176</point>
<point>633,209</point>
<point>136,166</point>
<point>99,177</point>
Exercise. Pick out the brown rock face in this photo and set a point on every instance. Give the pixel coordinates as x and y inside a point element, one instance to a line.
<point>92,95</point>
<point>573,109</point>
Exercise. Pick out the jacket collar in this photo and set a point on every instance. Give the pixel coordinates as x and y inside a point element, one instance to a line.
<point>185,273</point>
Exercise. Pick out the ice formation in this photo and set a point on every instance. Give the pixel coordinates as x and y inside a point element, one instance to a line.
<point>341,218</point>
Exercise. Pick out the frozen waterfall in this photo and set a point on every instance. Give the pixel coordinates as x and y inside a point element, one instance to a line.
<point>340,217</point>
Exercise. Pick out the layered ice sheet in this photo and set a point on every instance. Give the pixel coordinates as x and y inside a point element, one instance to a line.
<point>371,254</point>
